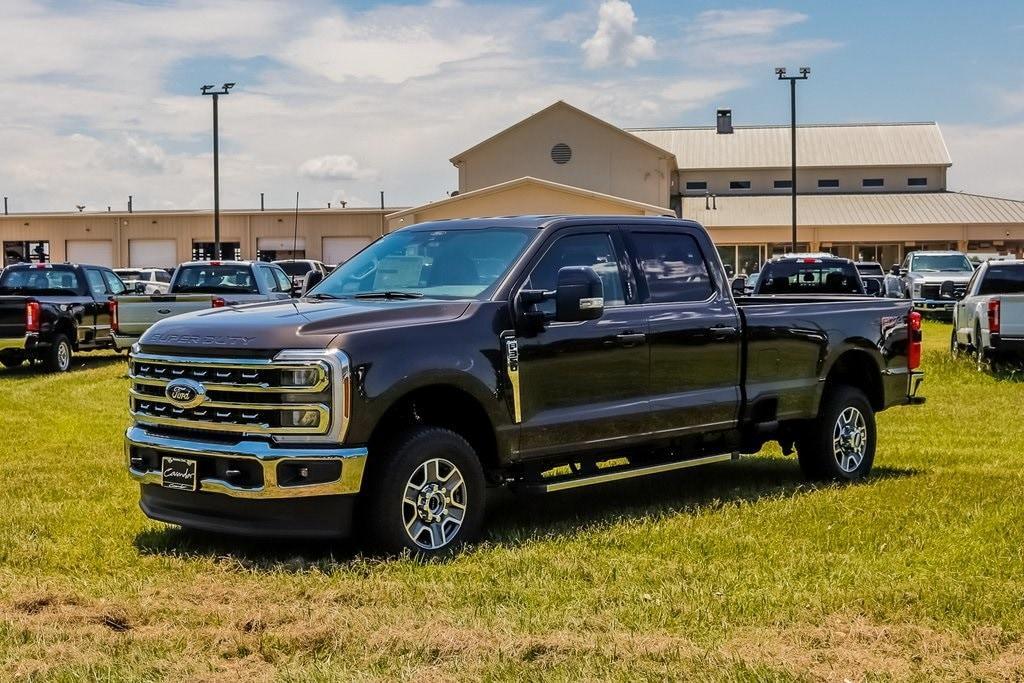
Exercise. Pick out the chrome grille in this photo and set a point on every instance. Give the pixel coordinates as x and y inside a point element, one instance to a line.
<point>290,395</point>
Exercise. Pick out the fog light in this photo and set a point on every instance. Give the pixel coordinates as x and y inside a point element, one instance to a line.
<point>300,418</point>
<point>306,377</point>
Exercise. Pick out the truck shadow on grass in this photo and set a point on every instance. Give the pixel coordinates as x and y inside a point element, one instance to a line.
<point>78,364</point>
<point>520,519</point>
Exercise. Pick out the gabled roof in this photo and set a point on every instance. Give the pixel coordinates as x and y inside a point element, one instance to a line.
<point>849,145</point>
<point>529,180</point>
<point>560,104</point>
<point>904,208</point>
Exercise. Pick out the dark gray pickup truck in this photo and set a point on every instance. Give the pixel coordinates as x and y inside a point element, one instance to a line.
<point>526,352</point>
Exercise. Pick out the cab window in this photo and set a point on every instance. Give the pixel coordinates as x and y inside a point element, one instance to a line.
<point>114,284</point>
<point>97,287</point>
<point>673,267</point>
<point>594,250</point>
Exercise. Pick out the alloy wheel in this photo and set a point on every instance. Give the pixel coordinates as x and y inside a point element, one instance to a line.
<point>434,504</point>
<point>850,439</point>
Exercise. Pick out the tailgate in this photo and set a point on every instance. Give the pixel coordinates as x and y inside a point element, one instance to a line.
<point>12,316</point>
<point>136,314</point>
<point>1011,315</point>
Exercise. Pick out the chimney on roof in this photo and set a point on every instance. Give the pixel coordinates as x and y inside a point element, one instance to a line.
<point>723,121</point>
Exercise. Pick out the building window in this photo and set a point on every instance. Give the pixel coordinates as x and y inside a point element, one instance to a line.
<point>783,184</point>
<point>828,182</point>
<point>561,153</point>
<point>873,182</point>
<point>739,184</point>
<point>203,251</point>
<point>26,252</point>
<point>696,185</point>
<point>917,182</point>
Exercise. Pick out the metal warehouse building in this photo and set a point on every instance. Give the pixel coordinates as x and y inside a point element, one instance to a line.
<point>868,191</point>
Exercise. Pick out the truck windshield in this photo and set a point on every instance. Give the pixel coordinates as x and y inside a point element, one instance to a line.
<point>53,281</point>
<point>223,279</point>
<point>947,263</point>
<point>815,277</point>
<point>1005,279</point>
<point>295,268</point>
<point>443,264</point>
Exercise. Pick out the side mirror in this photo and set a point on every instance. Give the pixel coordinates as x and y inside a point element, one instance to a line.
<point>739,286</point>
<point>312,279</point>
<point>873,287</point>
<point>579,294</point>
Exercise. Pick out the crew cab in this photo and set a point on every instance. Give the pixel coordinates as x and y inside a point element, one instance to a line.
<point>145,280</point>
<point>48,312</point>
<point>538,353</point>
<point>199,285</point>
<point>924,272</point>
<point>988,319</point>
<point>803,274</point>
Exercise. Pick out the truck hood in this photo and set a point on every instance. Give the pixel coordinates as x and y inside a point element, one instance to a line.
<point>942,276</point>
<point>303,323</point>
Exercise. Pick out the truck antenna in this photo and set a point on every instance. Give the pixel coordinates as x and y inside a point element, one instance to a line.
<point>295,233</point>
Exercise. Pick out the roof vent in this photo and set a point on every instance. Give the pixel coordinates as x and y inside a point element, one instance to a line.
<point>724,121</point>
<point>561,153</point>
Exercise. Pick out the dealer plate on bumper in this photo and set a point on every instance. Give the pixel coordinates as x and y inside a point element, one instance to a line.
<point>178,473</point>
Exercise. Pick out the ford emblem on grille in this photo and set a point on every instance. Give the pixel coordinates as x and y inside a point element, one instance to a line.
<point>185,393</point>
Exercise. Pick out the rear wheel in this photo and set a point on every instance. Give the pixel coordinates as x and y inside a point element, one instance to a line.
<point>57,358</point>
<point>426,494</point>
<point>980,358</point>
<point>840,443</point>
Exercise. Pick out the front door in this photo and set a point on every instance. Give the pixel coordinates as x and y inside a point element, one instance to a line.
<point>583,385</point>
<point>693,332</point>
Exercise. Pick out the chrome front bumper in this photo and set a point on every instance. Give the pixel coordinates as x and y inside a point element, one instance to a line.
<point>352,461</point>
<point>934,304</point>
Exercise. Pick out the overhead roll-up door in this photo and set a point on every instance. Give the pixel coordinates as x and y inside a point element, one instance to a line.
<point>152,253</point>
<point>91,252</point>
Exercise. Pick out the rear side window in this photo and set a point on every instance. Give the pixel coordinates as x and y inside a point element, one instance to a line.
<point>815,277</point>
<point>284,284</point>
<point>673,267</point>
<point>223,279</point>
<point>1008,279</point>
<point>162,276</point>
<point>97,287</point>
<point>114,284</point>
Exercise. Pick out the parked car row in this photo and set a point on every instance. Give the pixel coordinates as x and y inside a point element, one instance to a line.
<point>988,317</point>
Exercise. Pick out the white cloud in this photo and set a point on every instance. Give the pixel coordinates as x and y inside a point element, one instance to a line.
<point>615,41</point>
<point>987,159</point>
<point>714,24</point>
<point>694,92</point>
<point>335,167</point>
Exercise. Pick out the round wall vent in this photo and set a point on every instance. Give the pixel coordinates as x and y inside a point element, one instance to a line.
<point>561,153</point>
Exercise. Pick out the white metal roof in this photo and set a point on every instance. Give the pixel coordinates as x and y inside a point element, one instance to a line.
<point>910,208</point>
<point>845,145</point>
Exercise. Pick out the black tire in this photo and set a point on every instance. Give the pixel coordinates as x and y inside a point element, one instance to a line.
<point>980,359</point>
<point>57,358</point>
<point>427,526</point>
<point>833,450</point>
<point>11,361</point>
<point>954,346</point>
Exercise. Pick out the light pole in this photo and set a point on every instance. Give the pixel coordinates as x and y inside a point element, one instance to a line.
<point>208,90</point>
<point>804,73</point>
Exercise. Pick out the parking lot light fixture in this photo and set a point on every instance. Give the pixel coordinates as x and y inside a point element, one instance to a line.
<point>780,72</point>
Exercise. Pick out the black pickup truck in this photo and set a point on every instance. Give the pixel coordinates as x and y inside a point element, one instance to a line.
<point>50,311</point>
<point>528,352</point>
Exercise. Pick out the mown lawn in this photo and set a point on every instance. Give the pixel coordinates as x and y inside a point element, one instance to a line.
<point>734,572</point>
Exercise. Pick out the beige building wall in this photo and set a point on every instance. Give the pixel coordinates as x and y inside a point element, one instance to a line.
<point>604,158</point>
<point>762,181</point>
<point>187,227</point>
<point>523,198</point>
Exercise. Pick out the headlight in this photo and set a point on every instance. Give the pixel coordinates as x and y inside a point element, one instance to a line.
<point>917,288</point>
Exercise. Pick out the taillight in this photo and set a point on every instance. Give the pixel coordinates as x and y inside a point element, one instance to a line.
<point>114,327</point>
<point>913,340</point>
<point>218,302</point>
<point>32,317</point>
<point>993,316</point>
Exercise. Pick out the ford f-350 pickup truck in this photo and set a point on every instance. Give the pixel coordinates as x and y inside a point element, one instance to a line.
<point>450,357</point>
<point>50,311</point>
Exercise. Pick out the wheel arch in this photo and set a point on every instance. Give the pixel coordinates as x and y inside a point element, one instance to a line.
<point>859,368</point>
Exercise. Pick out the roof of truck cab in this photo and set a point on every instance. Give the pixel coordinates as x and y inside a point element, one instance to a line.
<point>539,222</point>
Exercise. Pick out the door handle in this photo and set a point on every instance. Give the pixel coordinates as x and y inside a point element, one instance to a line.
<point>630,338</point>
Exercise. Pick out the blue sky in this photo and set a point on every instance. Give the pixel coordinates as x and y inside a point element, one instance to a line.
<point>339,100</point>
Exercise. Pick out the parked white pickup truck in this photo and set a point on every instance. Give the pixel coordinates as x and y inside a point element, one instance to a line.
<point>145,280</point>
<point>989,320</point>
<point>195,286</point>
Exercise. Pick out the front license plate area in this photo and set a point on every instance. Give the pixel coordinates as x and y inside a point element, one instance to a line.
<point>178,474</point>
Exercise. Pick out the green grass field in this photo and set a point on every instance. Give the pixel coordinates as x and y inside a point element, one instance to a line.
<point>734,572</point>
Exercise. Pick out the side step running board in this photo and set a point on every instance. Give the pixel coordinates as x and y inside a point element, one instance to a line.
<point>619,473</point>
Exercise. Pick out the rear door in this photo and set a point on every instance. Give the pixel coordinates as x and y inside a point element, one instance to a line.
<point>693,331</point>
<point>96,316</point>
<point>583,385</point>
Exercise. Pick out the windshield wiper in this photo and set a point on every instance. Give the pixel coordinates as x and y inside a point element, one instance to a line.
<point>323,295</point>
<point>389,294</point>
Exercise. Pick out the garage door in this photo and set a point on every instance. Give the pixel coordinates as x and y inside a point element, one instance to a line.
<point>340,249</point>
<point>152,253</point>
<point>91,252</point>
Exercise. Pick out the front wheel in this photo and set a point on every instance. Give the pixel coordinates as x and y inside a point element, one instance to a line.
<point>840,443</point>
<point>954,345</point>
<point>426,494</point>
